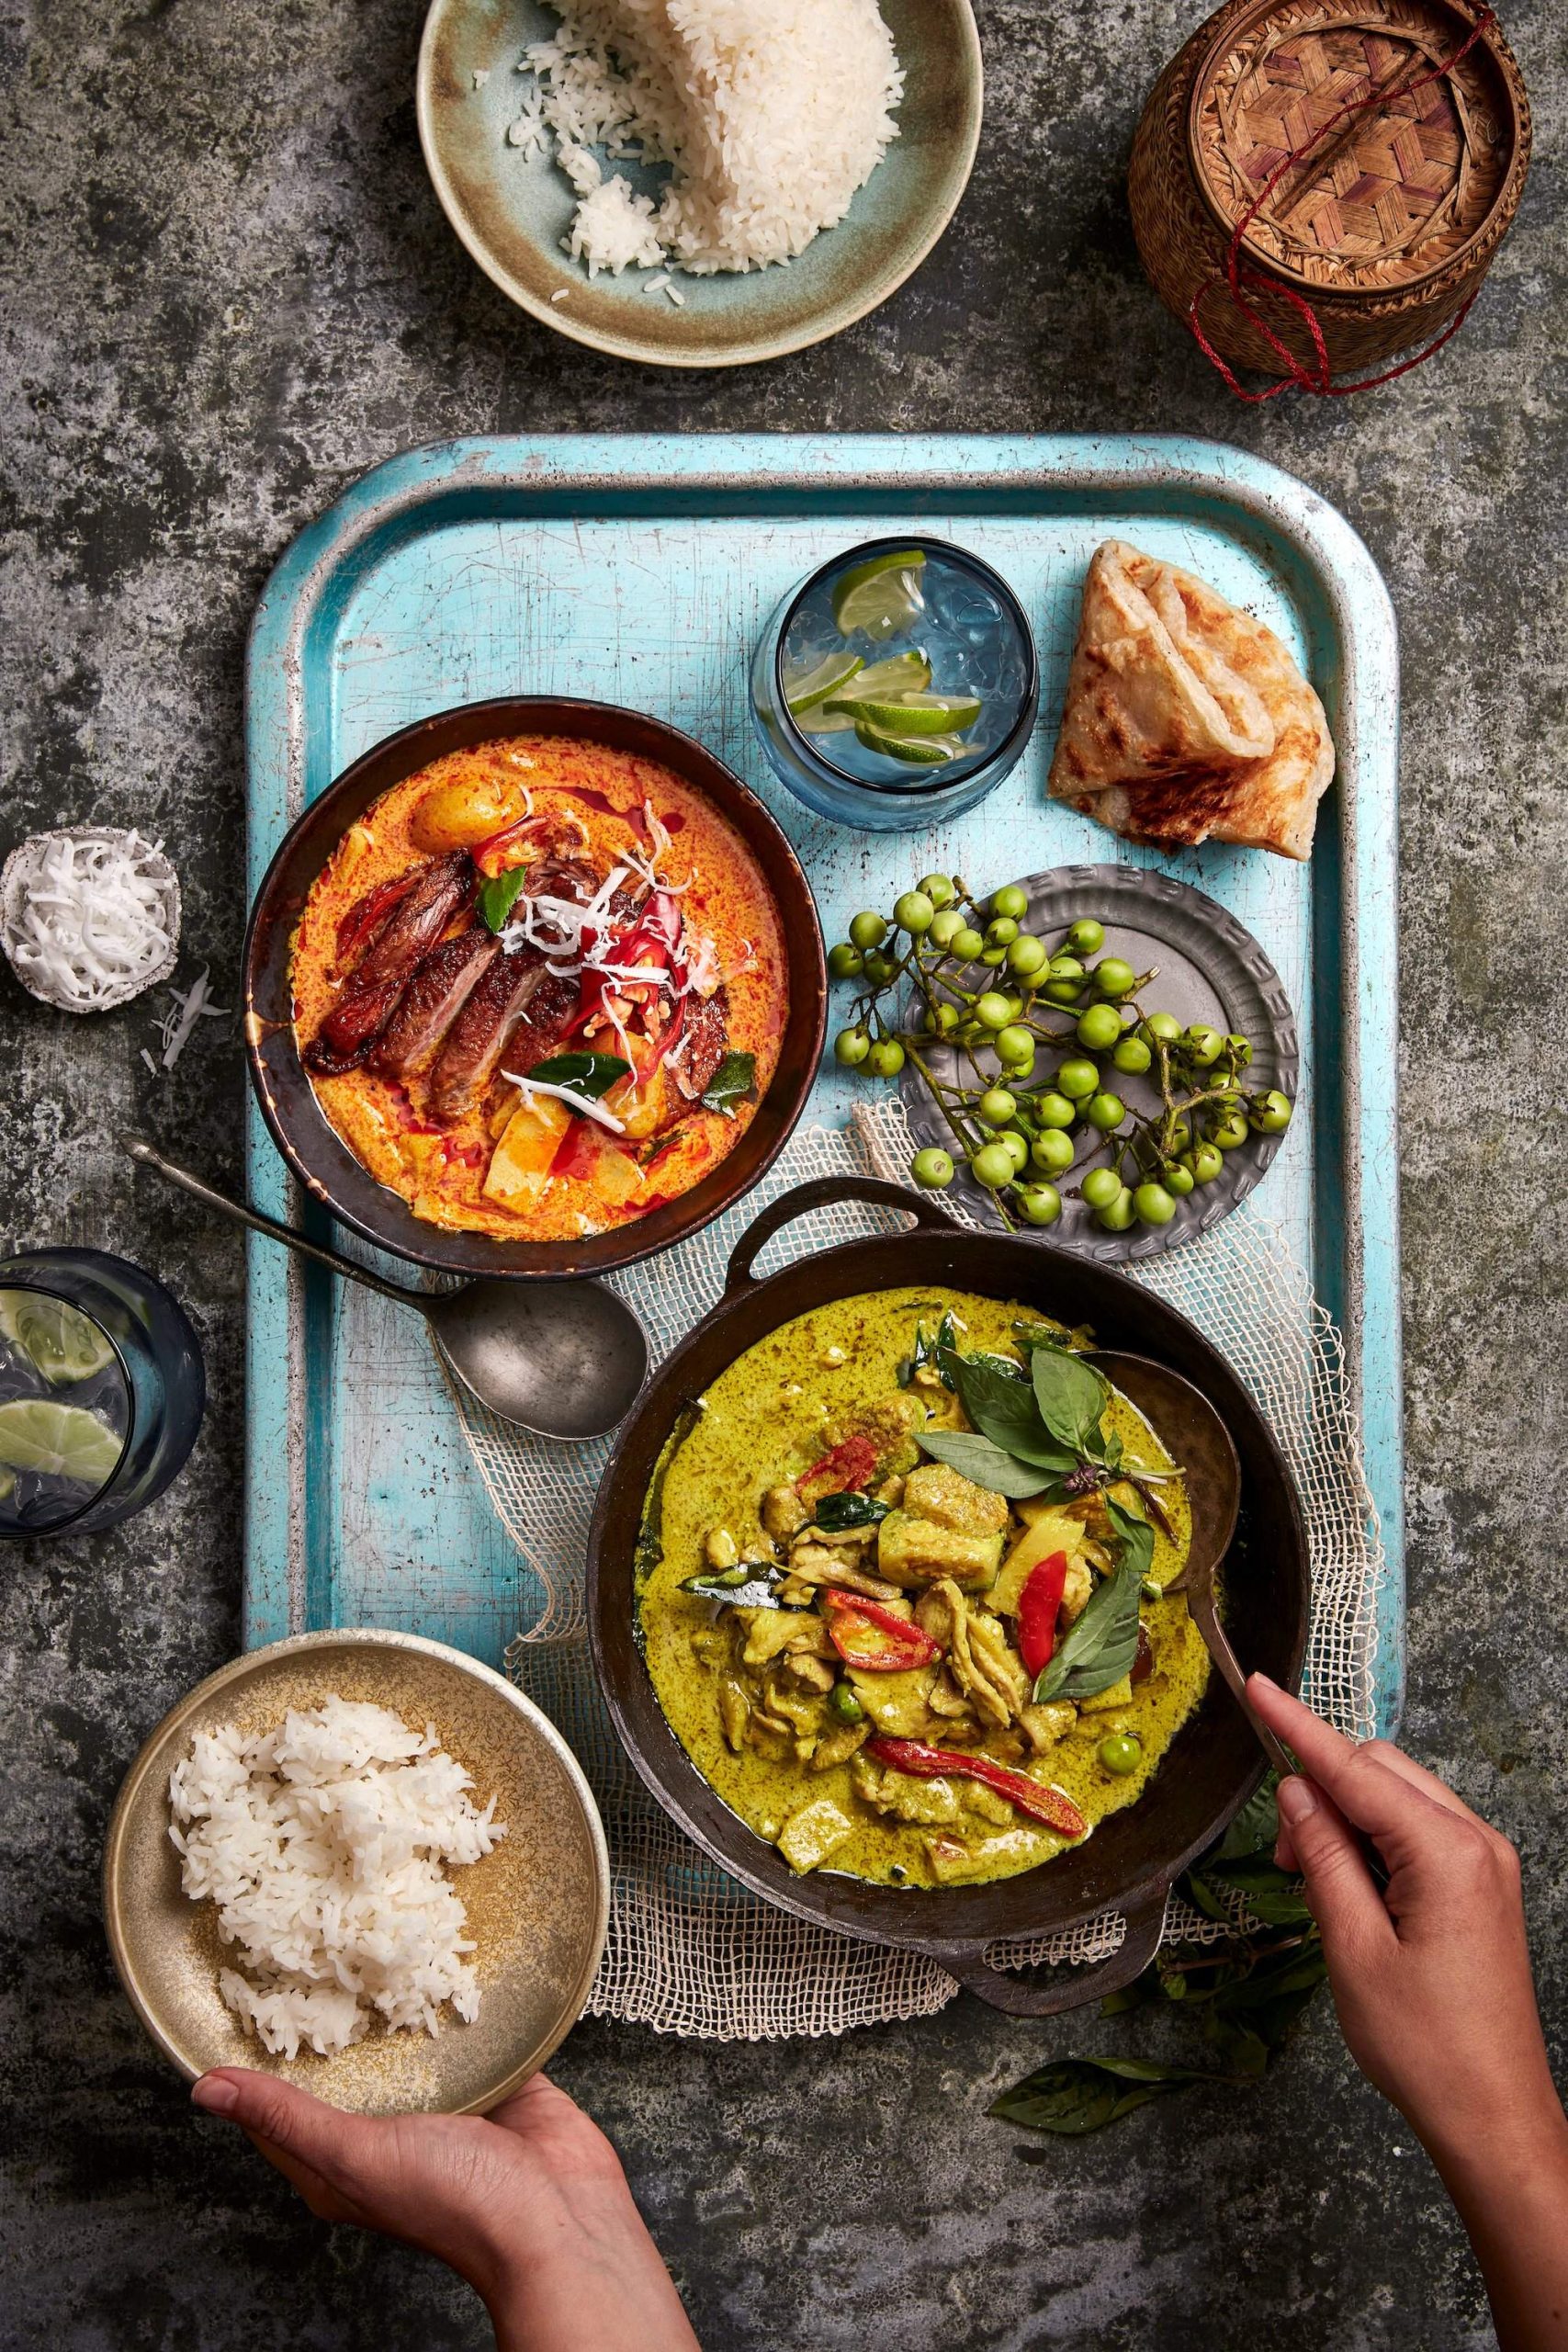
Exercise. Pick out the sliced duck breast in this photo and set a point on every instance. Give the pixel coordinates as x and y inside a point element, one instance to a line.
<point>433,999</point>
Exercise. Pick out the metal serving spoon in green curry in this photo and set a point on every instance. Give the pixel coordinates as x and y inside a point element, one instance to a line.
<point>907,1589</point>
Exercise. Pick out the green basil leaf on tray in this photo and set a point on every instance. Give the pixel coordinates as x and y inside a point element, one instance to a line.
<point>499,895</point>
<point>590,1075</point>
<point>1099,1647</point>
<point>1079,2095</point>
<point>1070,1394</point>
<point>731,1082</point>
<point>837,1512</point>
<point>987,1465</point>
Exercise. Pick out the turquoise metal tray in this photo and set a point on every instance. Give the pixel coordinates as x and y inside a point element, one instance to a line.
<point>638,571</point>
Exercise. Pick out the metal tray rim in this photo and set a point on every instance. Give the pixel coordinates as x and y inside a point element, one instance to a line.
<point>842,471</point>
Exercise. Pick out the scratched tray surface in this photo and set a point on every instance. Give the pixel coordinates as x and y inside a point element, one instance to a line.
<point>639,571</point>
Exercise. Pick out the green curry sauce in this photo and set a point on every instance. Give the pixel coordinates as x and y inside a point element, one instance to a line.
<point>767,1419</point>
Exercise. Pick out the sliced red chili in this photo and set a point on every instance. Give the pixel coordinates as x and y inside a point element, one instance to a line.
<point>850,1466</point>
<point>368,915</point>
<point>1144,1663</point>
<point>576,1151</point>
<point>1032,1797</point>
<point>867,1636</point>
<point>1037,1606</point>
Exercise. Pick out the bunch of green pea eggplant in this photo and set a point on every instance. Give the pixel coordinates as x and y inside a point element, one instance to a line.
<point>1245,1995</point>
<point>978,983</point>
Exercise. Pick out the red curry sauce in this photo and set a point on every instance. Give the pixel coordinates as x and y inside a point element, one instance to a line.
<point>643,929</point>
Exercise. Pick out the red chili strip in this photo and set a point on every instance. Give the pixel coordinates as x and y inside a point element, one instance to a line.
<point>895,1643</point>
<point>1037,1606</point>
<point>368,915</point>
<point>851,1465</point>
<point>1032,1797</point>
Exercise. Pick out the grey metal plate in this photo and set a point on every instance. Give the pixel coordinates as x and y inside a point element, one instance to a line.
<point>1210,969</point>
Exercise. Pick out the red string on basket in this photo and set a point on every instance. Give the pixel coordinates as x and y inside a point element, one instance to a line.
<point>1318,377</point>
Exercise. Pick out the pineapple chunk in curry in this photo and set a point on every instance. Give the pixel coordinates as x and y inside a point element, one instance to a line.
<point>882,1605</point>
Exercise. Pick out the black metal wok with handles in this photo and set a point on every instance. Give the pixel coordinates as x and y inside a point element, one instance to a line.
<point>1213,1766</point>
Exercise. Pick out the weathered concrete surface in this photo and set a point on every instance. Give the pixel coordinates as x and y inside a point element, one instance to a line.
<point>228,291</point>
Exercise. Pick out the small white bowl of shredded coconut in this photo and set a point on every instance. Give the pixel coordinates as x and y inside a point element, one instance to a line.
<point>89,916</point>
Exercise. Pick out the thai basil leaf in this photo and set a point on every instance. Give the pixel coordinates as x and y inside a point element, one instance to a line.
<point>1071,1396</point>
<point>989,1466</point>
<point>731,1082</point>
<point>1079,2095</point>
<point>499,895</point>
<point>590,1075</point>
<point>837,1512</point>
<point>1271,1894</point>
<point>1002,1407</point>
<point>1135,1538</point>
<point>1099,1647</point>
<point>1244,2054</point>
<point>1256,1827</point>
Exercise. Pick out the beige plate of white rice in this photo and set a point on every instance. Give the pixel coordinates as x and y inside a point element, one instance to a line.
<point>699,182</point>
<point>363,1861</point>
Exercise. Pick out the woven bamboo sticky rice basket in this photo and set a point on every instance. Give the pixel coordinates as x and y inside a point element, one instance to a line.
<point>1386,227</point>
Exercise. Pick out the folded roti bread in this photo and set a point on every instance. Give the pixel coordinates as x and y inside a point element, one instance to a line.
<point>1186,719</point>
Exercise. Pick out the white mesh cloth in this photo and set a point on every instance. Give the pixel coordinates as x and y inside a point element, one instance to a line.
<point>692,1952</point>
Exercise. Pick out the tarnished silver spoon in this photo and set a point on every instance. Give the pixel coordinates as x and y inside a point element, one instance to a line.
<point>1193,1435</point>
<point>562,1359</point>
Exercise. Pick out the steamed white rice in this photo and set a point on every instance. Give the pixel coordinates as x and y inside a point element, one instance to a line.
<point>324,1845</point>
<point>772,113</point>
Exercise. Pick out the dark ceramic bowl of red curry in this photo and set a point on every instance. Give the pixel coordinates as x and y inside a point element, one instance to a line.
<point>410,995</point>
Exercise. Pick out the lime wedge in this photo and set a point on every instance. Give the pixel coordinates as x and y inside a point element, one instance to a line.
<point>57,1339</point>
<point>805,693</point>
<point>896,675</point>
<point>916,750</point>
<point>882,596</point>
<point>60,1441</point>
<point>922,714</point>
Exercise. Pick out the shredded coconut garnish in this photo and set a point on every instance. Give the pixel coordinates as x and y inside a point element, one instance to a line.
<point>529,1087</point>
<point>93,923</point>
<point>187,1006</point>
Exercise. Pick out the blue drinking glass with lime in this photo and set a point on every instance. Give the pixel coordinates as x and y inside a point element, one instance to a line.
<point>102,1390</point>
<point>898,684</point>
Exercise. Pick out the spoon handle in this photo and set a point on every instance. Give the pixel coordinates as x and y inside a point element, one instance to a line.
<point>1206,1618</point>
<point>1230,1668</point>
<point>139,1149</point>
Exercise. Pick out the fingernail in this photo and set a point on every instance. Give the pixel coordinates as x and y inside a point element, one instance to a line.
<point>216,2094</point>
<point>1263,1681</point>
<point>1297,1801</point>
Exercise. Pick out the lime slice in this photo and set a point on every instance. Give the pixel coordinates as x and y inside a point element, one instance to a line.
<point>918,714</point>
<point>915,750</point>
<point>882,596</point>
<point>885,680</point>
<point>804,693</point>
<point>59,1341</point>
<point>60,1441</point>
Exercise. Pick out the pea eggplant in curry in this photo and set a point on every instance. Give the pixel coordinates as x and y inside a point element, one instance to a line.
<point>540,988</point>
<point>908,1591</point>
